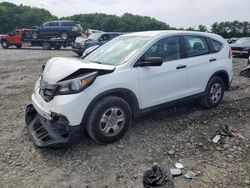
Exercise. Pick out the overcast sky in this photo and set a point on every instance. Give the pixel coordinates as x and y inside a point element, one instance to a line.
<point>177,13</point>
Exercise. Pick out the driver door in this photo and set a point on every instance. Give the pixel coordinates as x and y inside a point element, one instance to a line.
<point>15,37</point>
<point>168,82</point>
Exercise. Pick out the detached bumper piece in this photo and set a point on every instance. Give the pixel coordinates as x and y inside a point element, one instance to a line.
<point>48,133</point>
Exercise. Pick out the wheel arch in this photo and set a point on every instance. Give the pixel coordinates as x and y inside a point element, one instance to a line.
<point>4,39</point>
<point>224,76</point>
<point>123,93</point>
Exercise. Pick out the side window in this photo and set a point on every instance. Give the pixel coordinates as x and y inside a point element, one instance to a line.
<point>195,46</point>
<point>46,24</point>
<point>15,33</point>
<point>53,24</point>
<point>104,37</point>
<point>168,49</point>
<point>216,46</point>
<point>111,36</point>
<point>67,24</point>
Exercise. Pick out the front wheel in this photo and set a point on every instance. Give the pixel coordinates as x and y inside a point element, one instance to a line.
<point>19,46</point>
<point>5,44</point>
<point>46,46</point>
<point>214,92</point>
<point>109,119</point>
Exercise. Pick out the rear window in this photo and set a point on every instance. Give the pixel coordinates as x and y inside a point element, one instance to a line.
<point>195,46</point>
<point>54,24</point>
<point>215,45</point>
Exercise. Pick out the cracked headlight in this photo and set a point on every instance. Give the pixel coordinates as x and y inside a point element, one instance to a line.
<point>75,85</point>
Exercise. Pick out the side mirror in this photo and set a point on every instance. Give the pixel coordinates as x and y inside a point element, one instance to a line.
<point>150,61</point>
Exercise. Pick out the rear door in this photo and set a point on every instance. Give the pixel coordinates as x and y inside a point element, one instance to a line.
<point>198,60</point>
<point>166,82</point>
<point>54,29</point>
<point>50,29</point>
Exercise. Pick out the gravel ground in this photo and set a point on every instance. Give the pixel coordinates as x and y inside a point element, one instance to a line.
<point>182,133</point>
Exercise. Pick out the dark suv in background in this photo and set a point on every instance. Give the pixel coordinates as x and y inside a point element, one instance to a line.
<point>65,29</point>
<point>95,39</point>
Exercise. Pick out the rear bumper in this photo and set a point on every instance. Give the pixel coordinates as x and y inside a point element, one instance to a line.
<point>50,132</point>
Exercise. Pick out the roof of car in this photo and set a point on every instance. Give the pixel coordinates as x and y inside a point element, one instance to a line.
<point>159,32</point>
<point>170,32</point>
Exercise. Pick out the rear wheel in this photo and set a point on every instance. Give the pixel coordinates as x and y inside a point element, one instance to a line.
<point>57,47</point>
<point>64,35</point>
<point>109,119</point>
<point>214,92</point>
<point>46,46</point>
<point>5,44</point>
<point>19,46</point>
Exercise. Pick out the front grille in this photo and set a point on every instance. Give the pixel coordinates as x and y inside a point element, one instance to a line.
<point>47,91</point>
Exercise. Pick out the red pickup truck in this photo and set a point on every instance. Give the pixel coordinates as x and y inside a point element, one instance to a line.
<point>24,36</point>
<point>15,38</point>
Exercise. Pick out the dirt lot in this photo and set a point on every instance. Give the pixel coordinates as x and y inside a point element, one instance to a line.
<point>181,134</point>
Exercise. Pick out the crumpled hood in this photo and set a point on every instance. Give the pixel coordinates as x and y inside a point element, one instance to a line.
<point>59,68</point>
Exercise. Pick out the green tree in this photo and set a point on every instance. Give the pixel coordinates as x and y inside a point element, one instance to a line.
<point>202,28</point>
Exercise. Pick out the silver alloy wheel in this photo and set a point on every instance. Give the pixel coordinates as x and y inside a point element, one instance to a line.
<point>64,35</point>
<point>35,35</point>
<point>215,92</point>
<point>5,44</point>
<point>112,121</point>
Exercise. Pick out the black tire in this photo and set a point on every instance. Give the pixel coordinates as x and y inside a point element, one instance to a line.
<point>19,46</point>
<point>57,47</point>
<point>100,112</point>
<point>35,35</point>
<point>64,35</point>
<point>80,53</point>
<point>214,92</point>
<point>46,46</point>
<point>5,44</point>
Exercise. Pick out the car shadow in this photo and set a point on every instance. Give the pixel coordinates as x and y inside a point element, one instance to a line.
<point>165,114</point>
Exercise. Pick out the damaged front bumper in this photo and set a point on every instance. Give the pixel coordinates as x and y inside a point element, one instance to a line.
<point>49,132</point>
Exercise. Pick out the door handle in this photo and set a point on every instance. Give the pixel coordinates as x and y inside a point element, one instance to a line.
<point>181,67</point>
<point>212,59</point>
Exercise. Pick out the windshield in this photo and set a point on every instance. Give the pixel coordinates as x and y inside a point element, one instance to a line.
<point>243,40</point>
<point>94,36</point>
<point>118,50</point>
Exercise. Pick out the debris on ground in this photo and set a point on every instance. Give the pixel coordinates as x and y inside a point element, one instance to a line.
<point>190,175</point>
<point>216,139</point>
<point>245,72</point>
<point>171,152</point>
<point>156,177</point>
<point>179,165</point>
<point>175,172</point>
<point>224,130</point>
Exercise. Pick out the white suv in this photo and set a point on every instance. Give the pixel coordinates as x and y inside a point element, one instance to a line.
<point>126,77</point>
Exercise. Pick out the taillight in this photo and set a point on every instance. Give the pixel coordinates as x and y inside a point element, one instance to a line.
<point>230,54</point>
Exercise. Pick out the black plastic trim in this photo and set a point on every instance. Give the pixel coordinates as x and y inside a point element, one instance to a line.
<point>48,133</point>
